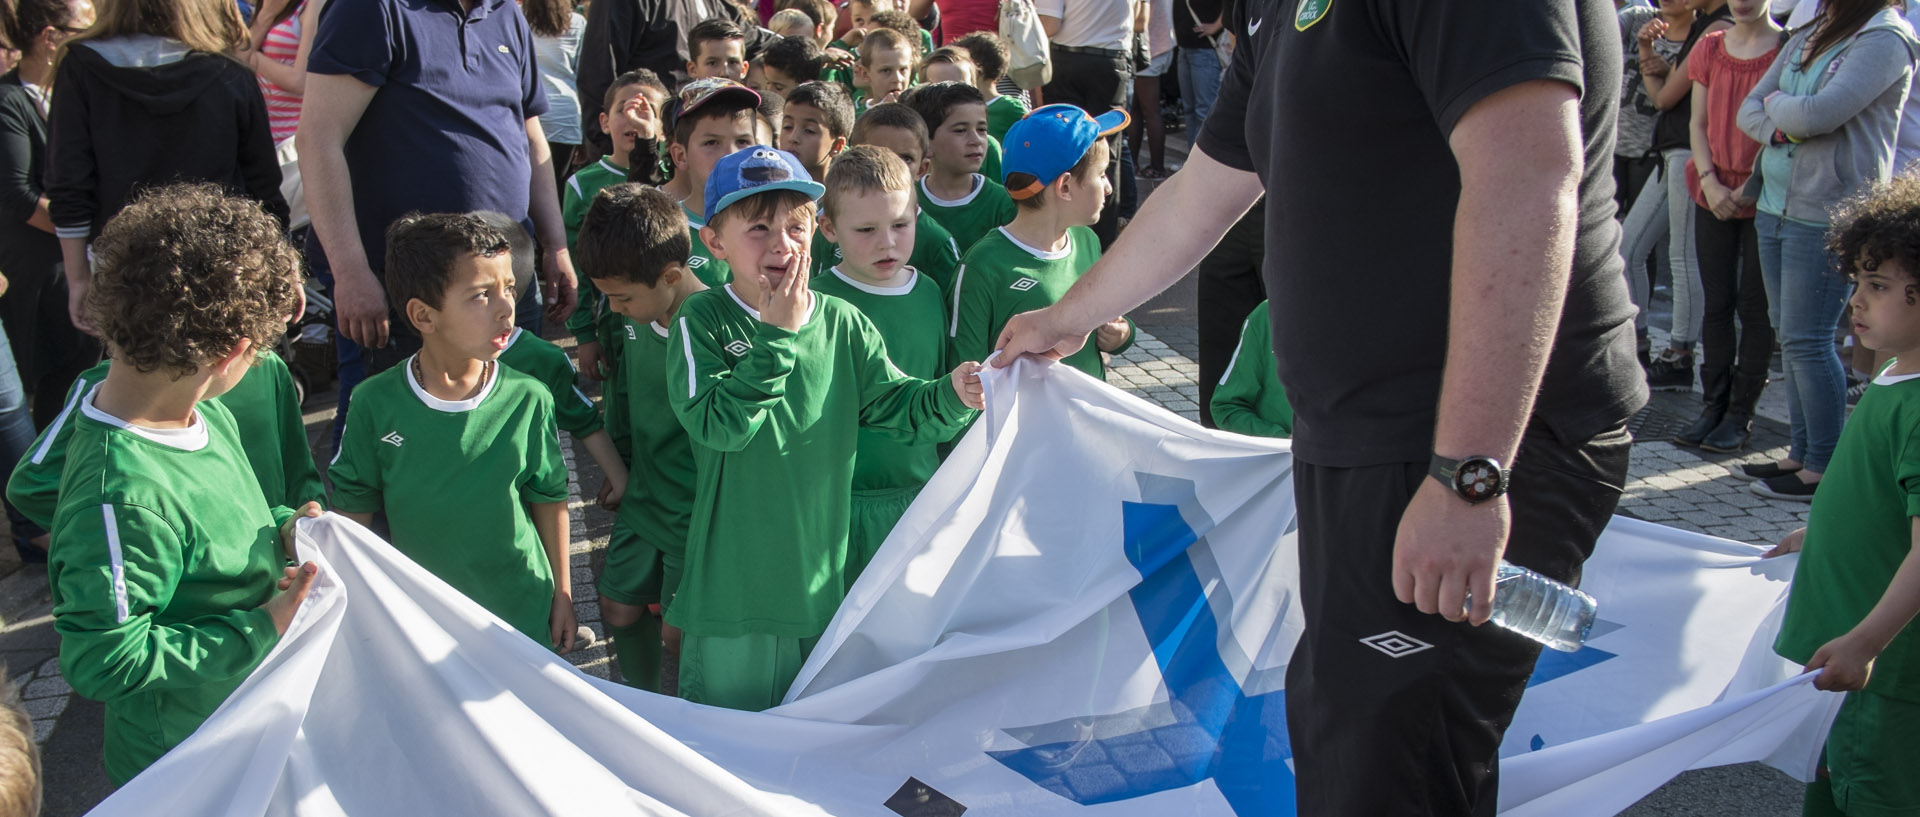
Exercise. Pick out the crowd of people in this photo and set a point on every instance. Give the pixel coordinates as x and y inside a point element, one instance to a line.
<point>784,237</point>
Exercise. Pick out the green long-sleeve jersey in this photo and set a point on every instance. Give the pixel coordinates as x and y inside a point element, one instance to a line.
<point>575,200</point>
<point>935,254</point>
<point>533,355</point>
<point>1000,277</point>
<point>264,408</point>
<point>165,548</point>
<point>909,318</point>
<point>970,217</point>
<point>774,417</point>
<point>660,488</point>
<point>1250,399</point>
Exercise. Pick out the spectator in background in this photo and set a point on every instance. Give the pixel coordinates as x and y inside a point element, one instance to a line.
<point>148,94</point>
<point>1646,222</point>
<point>1197,33</point>
<point>623,35</point>
<point>1827,112</point>
<point>280,39</point>
<point>383,136</point>
<point>1092,66</point>
<point>820,12</point>
<point>557,30</point>
<point>49,350</point>
<point>717,49</point>
<point>1146,92</point>
<point>792,23</point>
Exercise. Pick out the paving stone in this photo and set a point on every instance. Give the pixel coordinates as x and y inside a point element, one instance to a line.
<point>1770,511</point>
<point>47,687</point>
<point>42,729</point>
<point>47,707</point>
<point>1703,519</point>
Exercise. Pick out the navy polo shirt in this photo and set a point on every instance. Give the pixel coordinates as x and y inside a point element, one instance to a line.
<point>446,130</point>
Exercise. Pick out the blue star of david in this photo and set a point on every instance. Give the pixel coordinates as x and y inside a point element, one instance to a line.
<point>1210,728</point>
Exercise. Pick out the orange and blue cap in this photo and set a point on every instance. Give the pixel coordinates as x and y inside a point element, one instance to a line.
<point>1050,141</point>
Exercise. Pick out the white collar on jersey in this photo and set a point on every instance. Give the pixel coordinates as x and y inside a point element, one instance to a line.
<point>191,438</point>
<point>1044,255</point>
<point>454,406</point>
<point>906,286</point>
<point>979,184</point>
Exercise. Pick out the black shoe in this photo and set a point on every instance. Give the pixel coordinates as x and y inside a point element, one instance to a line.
<point>1731,436</point>
<point>1702,427</point>
<point>1671,371</point>
<point>1787,487</point>
<point>1766,470</point>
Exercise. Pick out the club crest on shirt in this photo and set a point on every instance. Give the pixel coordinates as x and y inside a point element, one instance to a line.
<point>1024,284</point>
<point>1310,12</point>
<point>738,348</point>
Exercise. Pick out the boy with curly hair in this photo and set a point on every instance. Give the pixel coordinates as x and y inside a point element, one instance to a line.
<point>169,555</point>
<point>1857,587</point>
<point>459,452</point>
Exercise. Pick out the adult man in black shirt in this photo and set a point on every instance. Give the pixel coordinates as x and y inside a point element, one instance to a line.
<point>1439,202</point>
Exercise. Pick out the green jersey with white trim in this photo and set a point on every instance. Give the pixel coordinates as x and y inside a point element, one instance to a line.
<point>531,354</point>
<point>455,478</point>
<point>710,270</point>
<point>970,217</point>
<point>660,488</point>
<point>575,200</point>
<point>264,409</point>
<point>1002,112</point>
<point>774,416</point>
<point>1250,399</point>
<point>935,254</point>
<point>165,550</point>
<point>1000,277</point>
<point>909,317</point>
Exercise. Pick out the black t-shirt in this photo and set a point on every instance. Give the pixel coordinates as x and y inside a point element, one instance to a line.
<point>1346,119</point>
<point>1190,13</point>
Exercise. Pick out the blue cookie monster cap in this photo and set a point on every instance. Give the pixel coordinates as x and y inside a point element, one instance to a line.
<point>1050,141</point>
<point>758,169</point>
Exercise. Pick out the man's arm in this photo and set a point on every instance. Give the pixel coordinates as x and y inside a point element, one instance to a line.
<point>330,111</point>
<point>558,287</point>
<point>1179,224</point>
<point>1520,161</point>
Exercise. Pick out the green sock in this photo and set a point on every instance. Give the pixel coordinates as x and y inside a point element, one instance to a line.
<point>636,650</point>
<point>1820,800</point>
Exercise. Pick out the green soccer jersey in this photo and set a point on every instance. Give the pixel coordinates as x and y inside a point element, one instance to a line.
<point>264,409</point>
<point>1000,277</point>
<point>1250,399</point>
<point>1860,529</point>
<point>990,166</point>
<point>774,417</point>
<point>908,317</point>
<point>970,217</point>
<point>165,548</point>
<point>1002,112</point>
<point>935,254</point>
<point>574,201</point>
<point>455,479</point>
<point>531,354</point>
<point>659,498</point>
<point>710,270</point>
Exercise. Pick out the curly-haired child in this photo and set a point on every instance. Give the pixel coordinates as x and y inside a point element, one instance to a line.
<point>1857,587</point>
<point>168,560</point>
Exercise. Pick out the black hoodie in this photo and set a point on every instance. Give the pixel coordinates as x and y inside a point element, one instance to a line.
<point>114,130</point>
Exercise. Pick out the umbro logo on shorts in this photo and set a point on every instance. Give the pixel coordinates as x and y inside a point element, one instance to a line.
<point>393,438</point>
<point>1396,644</point>
<point>738,348</point>
<point>1024,284</point>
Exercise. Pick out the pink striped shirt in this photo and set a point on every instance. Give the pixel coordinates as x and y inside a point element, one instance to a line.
<point>282,45</point>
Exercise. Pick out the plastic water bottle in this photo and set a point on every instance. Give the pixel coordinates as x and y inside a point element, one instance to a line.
<point>1542,609</point>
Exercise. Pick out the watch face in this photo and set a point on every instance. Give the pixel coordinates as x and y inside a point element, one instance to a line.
<point>1477,480</point>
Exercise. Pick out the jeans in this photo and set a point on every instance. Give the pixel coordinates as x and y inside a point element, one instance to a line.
<point>16,431</point>
<point>1805,295</point>
<point>1199,85</point>
<point>1664,214</point>
<point>1730,277</point>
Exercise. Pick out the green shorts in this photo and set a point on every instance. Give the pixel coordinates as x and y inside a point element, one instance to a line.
<point>1873,756</point>
<point>873,517</point>
<point>632,572</point>
<point>745,672</point>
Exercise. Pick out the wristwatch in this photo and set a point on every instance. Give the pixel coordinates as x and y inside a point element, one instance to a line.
<point>1476,479</point>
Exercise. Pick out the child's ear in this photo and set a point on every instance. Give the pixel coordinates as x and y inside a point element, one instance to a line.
<point>677,155</point>
<point>603,122</point>
<point>241,355</point>
<point>860,73</point>
<point>826,227</point>
<point>420,315</point>
<point>690,71</point>
<point>838,145</point>
<point>670,276</point>
<point>711,238</point>
<point>925,165</point>
<point>1063,187</point>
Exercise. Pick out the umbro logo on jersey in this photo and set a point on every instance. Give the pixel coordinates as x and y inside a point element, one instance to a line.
<point>1024,284</point>
<point>1396,644</point>
<point>697,261</point>
<point>630,334</point>
<point>393,438</point>
<point>738,348</point>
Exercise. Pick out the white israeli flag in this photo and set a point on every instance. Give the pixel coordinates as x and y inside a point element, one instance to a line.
<point>1089,611</point>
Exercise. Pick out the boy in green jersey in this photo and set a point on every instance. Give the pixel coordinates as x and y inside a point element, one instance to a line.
<point>1057,177</point>
<point>884,70</point>
<point>168,555</point>
<point>1857,588</point>
<point>264,409</point>
<point>1250,399</point>
<point>634,244</point>
<point>990,56</point>
<point>868,213</point>
<point>953,191</point>
<point>710,119</point>
<point>460,453</point>
<point>773,383</point>
<point>897,128</point>
<point>819,118</point>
